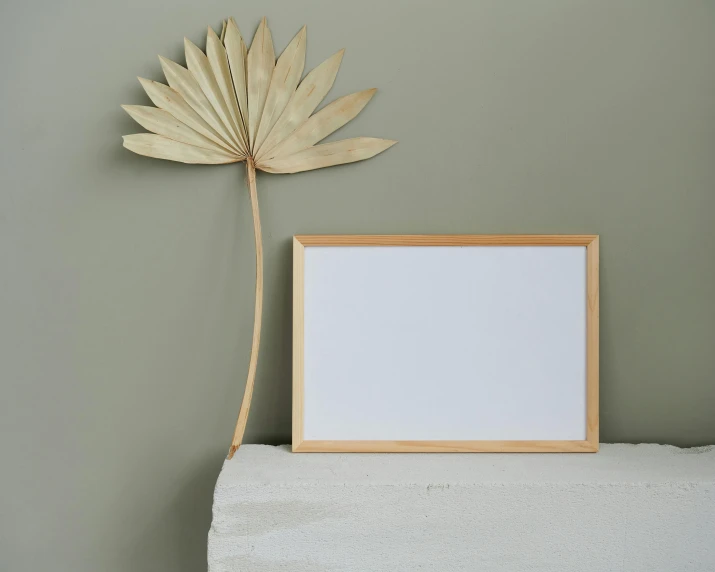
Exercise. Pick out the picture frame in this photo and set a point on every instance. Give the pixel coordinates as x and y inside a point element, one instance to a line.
<point>565,322</point>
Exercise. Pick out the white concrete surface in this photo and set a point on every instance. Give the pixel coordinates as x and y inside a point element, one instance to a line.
<point>630,508</point>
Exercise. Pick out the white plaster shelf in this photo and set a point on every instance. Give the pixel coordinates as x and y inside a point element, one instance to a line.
<point>631,508</point>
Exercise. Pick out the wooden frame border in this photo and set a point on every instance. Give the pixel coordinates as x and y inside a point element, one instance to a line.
<point>590,241</point>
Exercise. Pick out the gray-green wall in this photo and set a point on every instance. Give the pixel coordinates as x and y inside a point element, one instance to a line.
<point>126,284</point>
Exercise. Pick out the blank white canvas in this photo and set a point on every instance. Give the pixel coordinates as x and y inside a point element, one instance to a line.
<point>445,343</point>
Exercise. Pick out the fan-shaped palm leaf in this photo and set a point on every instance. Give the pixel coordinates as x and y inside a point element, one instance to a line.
<point>231,104</point>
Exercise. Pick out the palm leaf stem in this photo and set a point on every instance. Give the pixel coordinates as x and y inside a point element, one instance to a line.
<point>248,392</point>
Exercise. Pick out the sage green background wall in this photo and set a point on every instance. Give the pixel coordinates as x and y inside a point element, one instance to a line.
<point>126,284</point>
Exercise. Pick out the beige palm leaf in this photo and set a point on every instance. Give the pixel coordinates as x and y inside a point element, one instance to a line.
<point>230,104</point>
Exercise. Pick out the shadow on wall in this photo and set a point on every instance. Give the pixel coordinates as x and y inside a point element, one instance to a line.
<point>270,416</point>
<point>173,537</point>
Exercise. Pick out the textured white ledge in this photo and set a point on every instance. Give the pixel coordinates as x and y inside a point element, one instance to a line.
<point>628,508</point>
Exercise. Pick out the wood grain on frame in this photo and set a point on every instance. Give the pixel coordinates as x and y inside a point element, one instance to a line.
<point>445,447</point>
<point>592,335</point>
<point>589,445</point>
<point>298,331</point>
<point>447,240</point>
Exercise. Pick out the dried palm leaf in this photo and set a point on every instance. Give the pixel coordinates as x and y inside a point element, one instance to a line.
<point>233,105</point>
<point>183,81</point>
<point>164,123</point>
<point>200,67</point>
<point>307,97</point>
<point>171,101</point>
<point>285,78</point>
<point>216,54</point>
<point>322,124</point>
<point>164,148</point>
<point>236,52</point>
<point>338,153</point>
<point>260,63</point>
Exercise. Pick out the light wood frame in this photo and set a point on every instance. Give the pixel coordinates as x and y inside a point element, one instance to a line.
<point>590,444</point>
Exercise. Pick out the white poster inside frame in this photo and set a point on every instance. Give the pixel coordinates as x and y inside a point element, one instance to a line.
<point>445,343</point>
